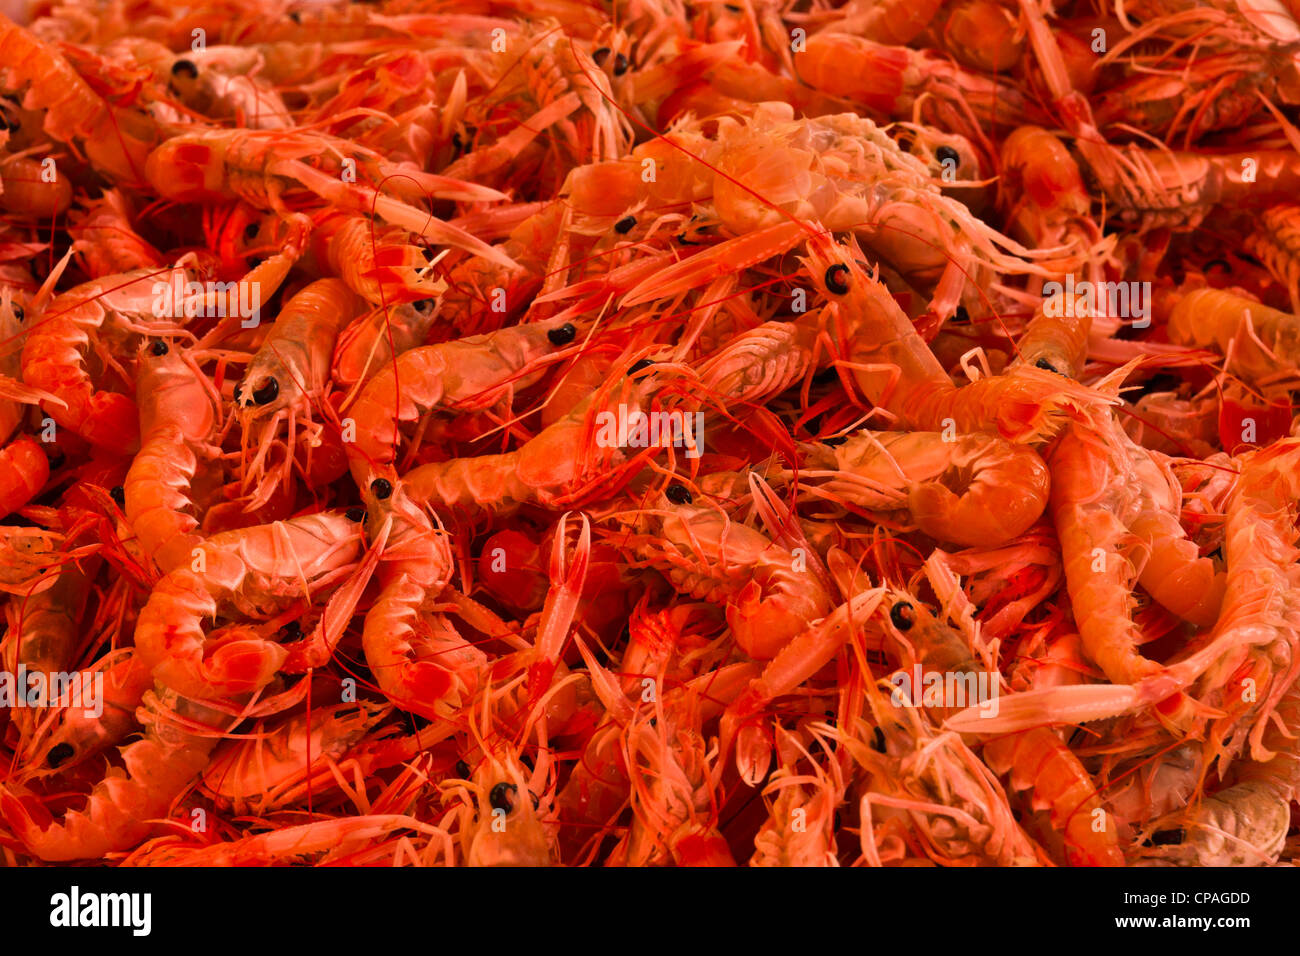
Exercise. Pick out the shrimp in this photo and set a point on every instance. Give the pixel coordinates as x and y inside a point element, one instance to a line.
<point>287,378</point>
<point>800,828</point>
<point>86,319</point>
<point>27,194</point>
<point>122,808</point>
<point>977,490</point>
<point>1258,339</point>
<point>769,593</point>
<point>265,771</point>
<point>28,559</point>
<point>575,458</point>
<point>761,363</point>
<point>1093,492</point>
<point>959,810</point>
<point>76,735</point>
<point>177,415</point>
<point>262,166</point>
<point>326,839</point>
<point>673,803</point>
<point>895,369</point>
<point>767,174</point>
<point>1260,621</point>
<point>899,82</point>
<point>1242,825</point>
<point>250,570</point>
<point>513,826</point>
<point>469,374</point>
<point>558,76</point>
<point>419,661</point>
<point>115,140</point>
<point>1039,761</point>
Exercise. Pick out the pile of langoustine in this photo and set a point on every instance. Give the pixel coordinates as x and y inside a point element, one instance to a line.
<point>332,333</point>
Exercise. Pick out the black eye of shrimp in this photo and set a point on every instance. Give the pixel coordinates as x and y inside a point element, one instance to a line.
<point>1168,837</point>
<point>961,315</point>
<point>638,366</point>
<point>502,797</point>
<point>267,393</point>
<point>462,769</point>
<point>624,225</point>
<point>19,313</point>
<point>563,335</point>
<point>355,514</point>
<point>837,279</point>
<point>424,306</point>
<point>601,55</point>
<point>945,154</point>
<point>902,615</point>
<point>158,347</point>
<point>118,494</point>
<point>382,488</point>
<point>878,740</point>
<point>187,67</point>
<point>250,232</point>
<point>678,494</point>
<point>59,753</point>
<point>1046,366</point>
<point>621,64</point>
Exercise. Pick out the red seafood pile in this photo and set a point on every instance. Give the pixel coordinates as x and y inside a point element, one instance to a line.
<point>650,432</point>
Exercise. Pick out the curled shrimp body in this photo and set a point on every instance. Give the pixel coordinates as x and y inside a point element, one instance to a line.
<point>379,263</point>
<point>176,417</point>
<point>977,490</point>
<point>179,736</point>
<point>249,571</point>
<point>419,661</point>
